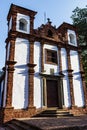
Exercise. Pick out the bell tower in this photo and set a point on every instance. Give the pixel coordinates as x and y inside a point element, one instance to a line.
<point>18,89</point>
<point>20,19</point>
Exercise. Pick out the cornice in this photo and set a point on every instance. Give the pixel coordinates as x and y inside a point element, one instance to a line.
<point>31,65</point>
<point>11,62</point>
<point>43,40</point>
<point>70,47</point>
<point>14,9</point>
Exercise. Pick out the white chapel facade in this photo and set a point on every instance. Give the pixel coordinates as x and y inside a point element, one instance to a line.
<point>43,67</point>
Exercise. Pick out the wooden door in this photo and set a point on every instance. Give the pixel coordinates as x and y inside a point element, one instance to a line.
<point>52,93</point>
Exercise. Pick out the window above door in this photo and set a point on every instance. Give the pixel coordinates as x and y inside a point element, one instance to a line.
<point>51,56</point>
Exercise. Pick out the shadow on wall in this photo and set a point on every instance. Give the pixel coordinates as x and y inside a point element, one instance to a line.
<point>2,76</point>
<point>77,76</point>
<point>1,115</point>
<point>23,72</point>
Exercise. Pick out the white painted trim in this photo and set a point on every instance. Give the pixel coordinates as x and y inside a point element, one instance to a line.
<point>10,24</point>
<point>8,51</point>
<point>37,78</point>
<point>27,18</point>
<point>47,67</point>
<point>5,88</point>
<point>75,39</point>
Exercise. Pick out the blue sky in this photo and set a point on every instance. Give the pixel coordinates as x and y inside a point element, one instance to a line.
<point>58,11</point>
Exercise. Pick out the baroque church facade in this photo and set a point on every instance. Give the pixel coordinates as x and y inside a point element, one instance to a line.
<point>43,68</point>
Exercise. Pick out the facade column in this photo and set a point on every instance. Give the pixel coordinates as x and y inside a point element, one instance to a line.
<point>31,66</point>
<point>14,18</point>
<point>31,25</point>
<point>44,92</point>
<point>42,56</point>
<point>70,78</point>
<point>82,77</point>
<point>10,70</point>
<point>61,77</point>
<point>60,62</point>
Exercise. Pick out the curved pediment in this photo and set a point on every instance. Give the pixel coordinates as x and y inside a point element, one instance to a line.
<point>47,31</point>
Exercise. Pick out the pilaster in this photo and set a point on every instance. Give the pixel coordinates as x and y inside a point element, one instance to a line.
<point>42,56</point>
<point>83,77</point>
<point>60,62</point>
<point>70,78</point>
<point>10,69</point>
<point>14,18</point>
<point>31,66</point>
<point>44,92</point>
<point>31,24</point>
<point>60,80</point>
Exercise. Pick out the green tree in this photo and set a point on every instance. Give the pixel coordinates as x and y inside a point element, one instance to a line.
<point>79,18</point>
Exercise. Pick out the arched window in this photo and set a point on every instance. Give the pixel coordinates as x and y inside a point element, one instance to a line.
<point>72,38</point>
<point>50,34</point>
<point>23,24</point>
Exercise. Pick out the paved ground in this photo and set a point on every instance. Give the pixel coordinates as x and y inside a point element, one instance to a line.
<point>78,123</point>
<point>67,123</point>
<point>2,128</point>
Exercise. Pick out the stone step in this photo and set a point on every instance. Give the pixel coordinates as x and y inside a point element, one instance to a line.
<point>18,125</point>
<point>54,113</point>
<point>10,127</point>
<point>23,125</point>
<point>7,128</point>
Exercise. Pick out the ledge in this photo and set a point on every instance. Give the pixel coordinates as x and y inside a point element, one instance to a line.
<point>10,62</point>
<point>49,75</point>
<point>31,65</point>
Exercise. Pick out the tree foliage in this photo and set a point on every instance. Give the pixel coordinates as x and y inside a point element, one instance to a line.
<point>79,18</point>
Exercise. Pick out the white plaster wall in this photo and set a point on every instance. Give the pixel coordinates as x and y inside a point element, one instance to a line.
<point>5,88</point>
<point>10,24</point>
<point>6,75</point>
<point>20,78</point>
<point>47,67</point>
<point>27,18</point>
<point>37,78</point>
<point>8,51</point>
<point>66,87</point>
<point>74,34</point>
<point>1,90</point>
<point>77,81</point>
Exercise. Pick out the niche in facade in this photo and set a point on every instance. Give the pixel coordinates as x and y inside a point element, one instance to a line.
<point>72,38</point>
<point>50,33</point>
<point>23,24</point>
